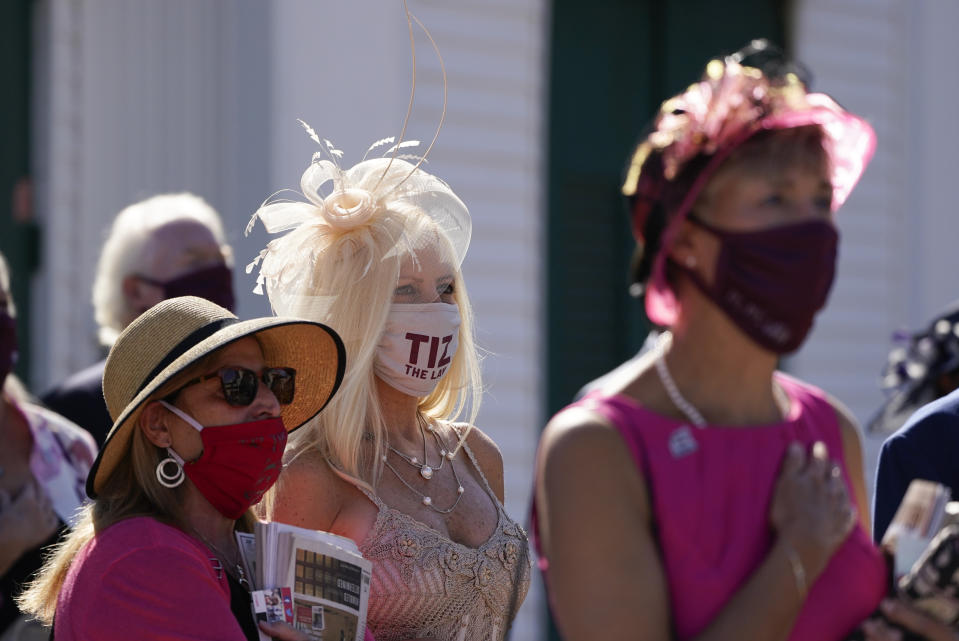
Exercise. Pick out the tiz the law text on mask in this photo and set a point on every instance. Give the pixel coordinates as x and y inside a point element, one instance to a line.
<point>436,351</point>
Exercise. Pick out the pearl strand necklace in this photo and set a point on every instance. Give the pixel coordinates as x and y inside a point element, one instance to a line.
<point>672,391</point>
<point>425,498</point>
<point>426,470</point>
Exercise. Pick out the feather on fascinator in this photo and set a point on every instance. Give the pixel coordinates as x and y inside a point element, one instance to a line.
<point>338,254</point>
<point>750,91</point>
<point>343,201</point>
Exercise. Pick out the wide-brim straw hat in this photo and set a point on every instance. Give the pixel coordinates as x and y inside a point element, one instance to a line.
<point>176,333</point>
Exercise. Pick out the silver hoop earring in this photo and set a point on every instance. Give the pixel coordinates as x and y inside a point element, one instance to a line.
<point>170,480</point>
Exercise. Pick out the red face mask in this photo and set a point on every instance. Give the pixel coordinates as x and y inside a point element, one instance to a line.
<point>239,462</point>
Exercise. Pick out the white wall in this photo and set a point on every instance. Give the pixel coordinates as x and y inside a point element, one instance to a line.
<point>133,99</point>
<point>891,61</point>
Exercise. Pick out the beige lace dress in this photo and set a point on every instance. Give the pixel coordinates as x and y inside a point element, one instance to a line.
<point>425,585</point>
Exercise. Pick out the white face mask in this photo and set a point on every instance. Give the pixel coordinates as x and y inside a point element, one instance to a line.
<point>417,346</point>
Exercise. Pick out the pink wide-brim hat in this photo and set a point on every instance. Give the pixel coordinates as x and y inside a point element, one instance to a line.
<point>715,116</point>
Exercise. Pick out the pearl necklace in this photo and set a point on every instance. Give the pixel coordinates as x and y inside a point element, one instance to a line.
<point>425,498</point>
<point>672,391</point>
<point>426,470</point>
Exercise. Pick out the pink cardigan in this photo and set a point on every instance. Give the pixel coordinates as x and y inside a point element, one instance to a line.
<point>140,579</point>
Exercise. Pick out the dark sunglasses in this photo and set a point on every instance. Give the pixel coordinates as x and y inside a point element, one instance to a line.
<point>240,384</point>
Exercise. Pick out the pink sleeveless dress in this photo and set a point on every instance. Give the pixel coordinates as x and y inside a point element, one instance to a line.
<point>710,490</point>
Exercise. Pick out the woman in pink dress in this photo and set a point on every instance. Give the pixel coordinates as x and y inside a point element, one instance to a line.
<point>722,499</point>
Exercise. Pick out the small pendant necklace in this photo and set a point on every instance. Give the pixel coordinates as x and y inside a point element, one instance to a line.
<point>426,499</point>
<point>425,469</point>
<point>237,573</point>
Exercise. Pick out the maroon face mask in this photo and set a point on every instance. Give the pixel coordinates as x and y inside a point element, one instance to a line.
<point>771,282</point>
<point>8,344</point>
<point>212,283</point>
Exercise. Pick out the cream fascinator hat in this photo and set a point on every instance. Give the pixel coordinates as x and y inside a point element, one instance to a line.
<point>340,201</point>
<point>345,202</point>
<point>176,333</point>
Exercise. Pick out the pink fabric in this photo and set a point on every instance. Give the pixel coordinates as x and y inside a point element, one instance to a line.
<point>140,579</point>
<point>710,508</point>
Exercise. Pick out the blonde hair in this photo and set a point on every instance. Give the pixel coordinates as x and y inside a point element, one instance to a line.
<point>132,490</point>
<point>129,249</point>
<point>346,279</point>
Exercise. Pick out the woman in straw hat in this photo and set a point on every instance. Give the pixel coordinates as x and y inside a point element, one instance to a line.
<point>378,257</point>
<point>202,403</point>
<point>723,494</point>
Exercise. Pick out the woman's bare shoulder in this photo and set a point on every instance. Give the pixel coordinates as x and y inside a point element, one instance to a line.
<point>585,477</point>
<point>307,466</point>
<point>487,453</point>
<point>575,428</point>
<point>308,492</point>
<point>484,447</point>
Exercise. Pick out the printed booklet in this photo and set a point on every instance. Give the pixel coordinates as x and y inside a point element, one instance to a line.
<point>918,519</point>
<point>924,538</point>
<point>316,581</point>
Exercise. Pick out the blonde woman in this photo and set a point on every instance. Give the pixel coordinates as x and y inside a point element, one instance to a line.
<point>202,403</point>
<point>376,254</point>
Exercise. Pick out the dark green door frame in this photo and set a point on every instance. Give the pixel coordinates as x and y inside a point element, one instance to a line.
<point>613,62</point>
<point>18,233</point>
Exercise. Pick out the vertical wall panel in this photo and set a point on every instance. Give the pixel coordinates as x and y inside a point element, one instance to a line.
<point>491,151</point>
<point>137,99</point>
